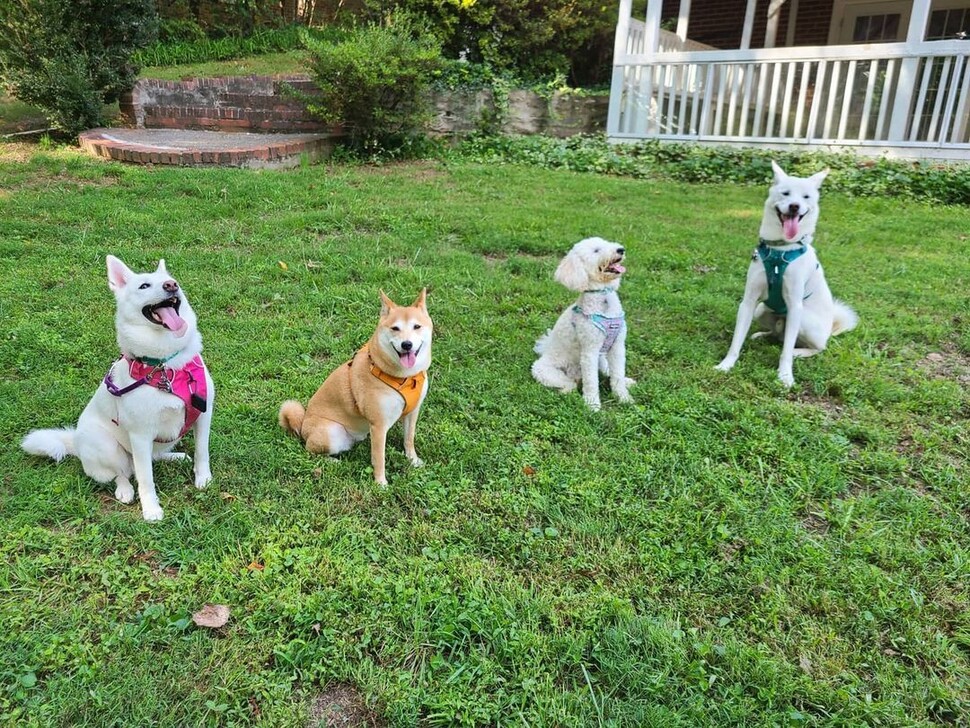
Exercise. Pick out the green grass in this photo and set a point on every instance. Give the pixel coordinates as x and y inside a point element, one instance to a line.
<point>17,116</point>
<point>271,64</point>
<point>723,552</point>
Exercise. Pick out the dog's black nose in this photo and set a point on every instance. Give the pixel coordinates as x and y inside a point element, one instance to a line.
<point>793,209</point>
<point>406,346</point>
<point>621,251</point>
<point>170,286</point>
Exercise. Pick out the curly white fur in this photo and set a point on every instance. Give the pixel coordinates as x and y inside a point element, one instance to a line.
<point>571,352</point>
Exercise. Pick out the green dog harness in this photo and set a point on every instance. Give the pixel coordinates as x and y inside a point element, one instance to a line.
<point>776,261</point>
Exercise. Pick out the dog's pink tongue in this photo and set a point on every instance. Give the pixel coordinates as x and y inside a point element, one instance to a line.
<point>619,268</point>
<point>172,321</point>
<point>790,227</point>
<point>408,358</point>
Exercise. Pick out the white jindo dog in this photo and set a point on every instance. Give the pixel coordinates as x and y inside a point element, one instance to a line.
<point>786,289</point>
<point>590,336</point>
<point>157,391</point>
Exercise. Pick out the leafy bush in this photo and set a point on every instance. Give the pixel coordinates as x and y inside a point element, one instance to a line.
<point>375,82</point>
<point>180,31</point>
<point>535,38</point>
<point>222,49</point>
<point>929,181</point>
<point>71,57</point>
<point>222,18</point>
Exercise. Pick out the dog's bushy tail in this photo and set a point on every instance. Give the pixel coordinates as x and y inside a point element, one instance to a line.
<point>541,343</point>
<point>56,444</point>
<point>845,318</point>
<point>291,416</point>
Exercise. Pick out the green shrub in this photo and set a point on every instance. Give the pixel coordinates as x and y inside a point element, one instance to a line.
<point>535,38</point>
<point>375,82</point>
<point>71,57</point>
<point>927,180</point>
<point>180,31</point>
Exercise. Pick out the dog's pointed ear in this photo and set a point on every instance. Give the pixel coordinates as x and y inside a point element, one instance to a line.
<point>779,172</point>
<point>118,273</point>
<point>421,300</point>
<point>572,273</point>
<point>161,266</point>
<point>817,178</point>
<point>386,304</point>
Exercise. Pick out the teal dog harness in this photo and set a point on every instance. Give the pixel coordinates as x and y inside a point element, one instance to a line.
<point>609,325</point>
<point>776,261</point>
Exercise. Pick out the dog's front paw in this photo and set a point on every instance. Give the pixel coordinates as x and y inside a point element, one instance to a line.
<point>381,481</point>
<point>624,397</point>
<point>786,378</point>
<point>174,457</point>
<point>726,364</point>
<point>152,513</point>
<point>630,382</point>
<point>416,461</point>
<point>202,479</point>
<point>593,403</point>
<point>125,493</point>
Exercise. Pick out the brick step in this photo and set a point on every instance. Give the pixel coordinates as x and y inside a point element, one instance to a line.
<point>190,148</point>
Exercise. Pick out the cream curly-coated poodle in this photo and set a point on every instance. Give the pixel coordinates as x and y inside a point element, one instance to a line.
<point>590,336</point>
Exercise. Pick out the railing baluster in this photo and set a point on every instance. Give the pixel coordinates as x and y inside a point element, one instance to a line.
<point>867,104</point>
<point>737,76</point>
<point>931,135</point>
<point>961,119</point>
<point>951,97</point>
<point>661,83</point>
<point>846,99</point>
<point>773,98</point>
<point>786,104</point>
<point>802,100</point>
<point>686,72</point>
<point>723,71</point>
<point>917,112</point>
<point>832,90</point>
<point>704,127</point>
<point>887,87</point>
<point>746,99</point>
<point>816,100</point>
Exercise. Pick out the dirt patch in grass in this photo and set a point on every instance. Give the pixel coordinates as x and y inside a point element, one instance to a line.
<point>947,363</point>
<point>815,523</point>
<point>341,706</point>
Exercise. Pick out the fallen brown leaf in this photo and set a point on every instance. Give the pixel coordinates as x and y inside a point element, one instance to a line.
<point>256,566</point>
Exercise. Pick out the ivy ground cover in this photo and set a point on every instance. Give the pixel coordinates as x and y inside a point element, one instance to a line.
<point>723,552</point>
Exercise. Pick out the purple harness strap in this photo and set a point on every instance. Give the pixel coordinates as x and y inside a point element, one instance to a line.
<point>187,383</point>
<point>609,325</point>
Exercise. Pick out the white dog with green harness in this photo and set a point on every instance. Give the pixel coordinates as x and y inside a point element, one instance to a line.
<point>786,289</point>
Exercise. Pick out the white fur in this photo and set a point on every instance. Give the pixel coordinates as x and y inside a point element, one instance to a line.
<point>809,322</point>
<point>569,353</point>
<point>110,451</point>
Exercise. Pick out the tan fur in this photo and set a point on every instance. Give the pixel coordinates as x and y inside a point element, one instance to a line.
<point>352,403</point>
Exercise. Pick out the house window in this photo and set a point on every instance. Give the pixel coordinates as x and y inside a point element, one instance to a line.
<point>949,24</point>
<point>876,28</point>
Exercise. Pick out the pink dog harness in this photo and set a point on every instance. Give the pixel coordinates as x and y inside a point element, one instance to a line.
<point>187,383</point>
<point>609,325</point>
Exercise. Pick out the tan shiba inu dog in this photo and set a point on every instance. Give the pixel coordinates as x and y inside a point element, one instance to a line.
<point>385,381</point>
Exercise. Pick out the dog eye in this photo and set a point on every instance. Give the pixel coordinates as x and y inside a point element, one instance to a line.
<point>395,328</point>
<point>805,196</point>
<point>785,193</point>
<point>143,286</point>
<point>417,326</point>
<point>596,250</point>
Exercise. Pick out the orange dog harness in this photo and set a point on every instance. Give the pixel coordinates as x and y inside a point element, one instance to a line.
<point>409,388</point>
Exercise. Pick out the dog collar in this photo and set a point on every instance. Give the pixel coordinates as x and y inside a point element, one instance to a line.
<point>153,362</point>
<point>600,290</point>
<point>410,388</point>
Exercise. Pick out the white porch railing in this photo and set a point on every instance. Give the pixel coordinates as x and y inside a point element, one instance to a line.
<point>879,97</point>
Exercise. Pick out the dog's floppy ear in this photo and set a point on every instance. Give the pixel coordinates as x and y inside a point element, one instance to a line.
<point>118,273</point>
<point>779,172</point>
<point>386,304</point>
<point>572,273</point>
<point>817,178</point>
<point>421,300</point>
<point>161,266</point>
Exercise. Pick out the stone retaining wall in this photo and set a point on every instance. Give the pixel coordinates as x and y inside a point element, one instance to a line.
<point>261,104</point>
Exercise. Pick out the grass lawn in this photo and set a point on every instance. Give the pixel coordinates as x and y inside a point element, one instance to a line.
<point>723,552</point>
<point>270,64</point>
<point>16,116</point>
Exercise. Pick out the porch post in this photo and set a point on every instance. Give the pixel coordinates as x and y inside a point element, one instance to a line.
<point>682,17</point>
<point>771,29</point>
<point>620,41</point>
<point>647,113</point>
<point>906,83</point>
<point>748,25</point>
<point>792,19</point>
<point>651,39</point>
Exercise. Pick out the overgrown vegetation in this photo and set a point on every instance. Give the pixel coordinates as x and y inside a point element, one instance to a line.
<point>922,180</point>
<point>374,82</point>
<point>723,552</point>
<point>205,50</point>
<point>70,58</point>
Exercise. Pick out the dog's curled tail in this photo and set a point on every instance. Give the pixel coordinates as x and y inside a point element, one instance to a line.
<point>845,318</point>
<point>291,416</point>
<point>56,444</point>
